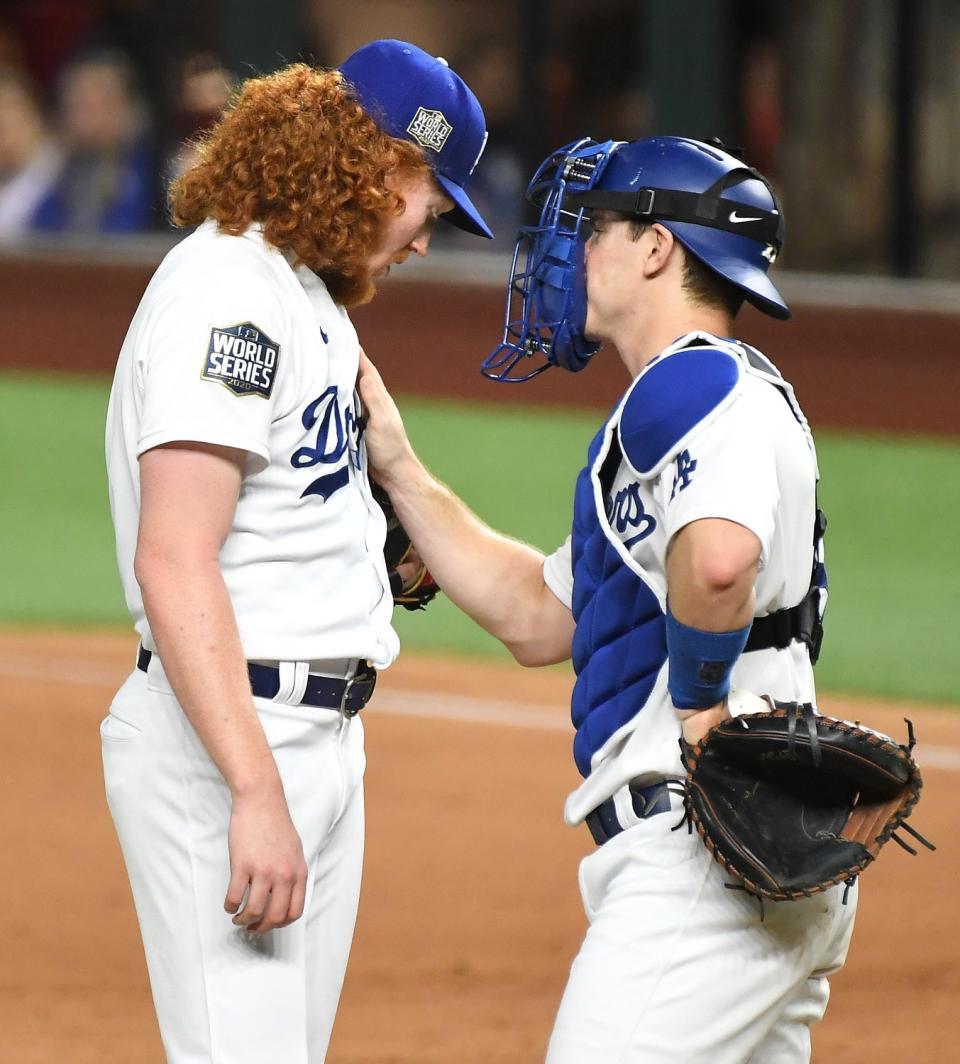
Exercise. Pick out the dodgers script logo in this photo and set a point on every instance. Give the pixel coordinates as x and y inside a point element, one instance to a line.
<point>242,358</point>
<point>337,431</point>
<point>430,128</point>
<point>626,511</point>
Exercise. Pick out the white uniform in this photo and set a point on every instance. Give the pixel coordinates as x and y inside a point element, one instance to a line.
<point>669,949</point>
<point>233,346</point>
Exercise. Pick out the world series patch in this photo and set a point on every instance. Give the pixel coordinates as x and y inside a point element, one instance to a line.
<point>242,358</point>
<point>430,128</point>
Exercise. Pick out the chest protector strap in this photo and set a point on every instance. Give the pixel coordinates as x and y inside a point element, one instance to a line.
<point>803,622</point>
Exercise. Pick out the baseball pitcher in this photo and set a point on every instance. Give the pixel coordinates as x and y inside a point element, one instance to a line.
<point>250,545</point>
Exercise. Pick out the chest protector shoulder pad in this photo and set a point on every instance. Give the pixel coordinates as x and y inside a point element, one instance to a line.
<point>670,400</point>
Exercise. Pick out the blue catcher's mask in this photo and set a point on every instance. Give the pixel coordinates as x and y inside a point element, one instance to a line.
<point>546,296</point>
<point>722,211</point>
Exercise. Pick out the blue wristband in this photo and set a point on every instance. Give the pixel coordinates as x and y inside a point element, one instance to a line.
<point>701,663</point>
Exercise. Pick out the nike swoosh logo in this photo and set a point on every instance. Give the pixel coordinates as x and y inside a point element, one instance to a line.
<point>734,217</point>
<point>326,339</point>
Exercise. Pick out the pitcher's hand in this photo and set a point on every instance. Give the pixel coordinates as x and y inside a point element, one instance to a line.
<point>268,874</point>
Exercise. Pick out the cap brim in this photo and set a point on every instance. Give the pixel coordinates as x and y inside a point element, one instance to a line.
<point>464,215</point>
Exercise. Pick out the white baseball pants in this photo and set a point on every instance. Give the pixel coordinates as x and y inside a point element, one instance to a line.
<point>677,969</point>
<point>224,996</point>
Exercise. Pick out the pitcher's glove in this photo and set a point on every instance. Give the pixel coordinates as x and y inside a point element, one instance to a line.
<point>791,803</point>
<point>418,592</point>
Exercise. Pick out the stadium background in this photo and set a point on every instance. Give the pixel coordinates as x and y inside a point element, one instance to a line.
<point>469,915</point>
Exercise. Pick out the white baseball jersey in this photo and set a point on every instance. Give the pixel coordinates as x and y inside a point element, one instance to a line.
<point>232,345</point>
<point>753,463</point>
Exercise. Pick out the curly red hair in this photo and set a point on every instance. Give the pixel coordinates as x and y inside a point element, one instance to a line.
<point>296,152</point>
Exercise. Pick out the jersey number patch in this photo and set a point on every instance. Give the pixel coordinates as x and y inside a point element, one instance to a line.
<point>243,359</point>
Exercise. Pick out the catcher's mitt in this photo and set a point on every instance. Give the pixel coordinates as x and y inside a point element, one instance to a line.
<point>417,593</point>
<point>791,802</point>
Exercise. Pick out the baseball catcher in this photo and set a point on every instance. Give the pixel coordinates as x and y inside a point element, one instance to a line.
<point>694,566</point>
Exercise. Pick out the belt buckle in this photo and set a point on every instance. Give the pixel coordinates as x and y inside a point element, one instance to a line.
<point>348,686</point>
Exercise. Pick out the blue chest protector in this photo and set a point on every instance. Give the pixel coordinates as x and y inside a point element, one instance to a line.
<point>619,645</point>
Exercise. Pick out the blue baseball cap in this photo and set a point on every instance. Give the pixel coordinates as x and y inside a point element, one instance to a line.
<point>415,96</point>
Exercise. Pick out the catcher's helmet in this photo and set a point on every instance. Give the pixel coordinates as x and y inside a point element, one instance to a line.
<point>722,211</point>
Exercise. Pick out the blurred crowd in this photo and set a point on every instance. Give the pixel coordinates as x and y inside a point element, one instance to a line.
<point>92,156</point>
<point>88,159</point>
<point>100,101</point>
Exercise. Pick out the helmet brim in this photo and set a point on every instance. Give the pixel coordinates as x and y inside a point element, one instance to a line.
<point>738,260</point>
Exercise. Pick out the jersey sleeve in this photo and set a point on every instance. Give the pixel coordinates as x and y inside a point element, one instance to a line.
<point>727,470</point>
<point>210,359</point>
<point>558,573</point>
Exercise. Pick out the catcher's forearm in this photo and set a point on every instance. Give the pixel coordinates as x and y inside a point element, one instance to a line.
<point>495,579</point>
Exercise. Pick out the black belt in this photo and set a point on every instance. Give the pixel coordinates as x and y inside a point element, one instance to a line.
<point>325,692</point>
<point>604,823</point>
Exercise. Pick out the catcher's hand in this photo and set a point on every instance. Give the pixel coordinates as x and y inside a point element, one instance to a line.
<point>791,802</point>
<point>411,584</point>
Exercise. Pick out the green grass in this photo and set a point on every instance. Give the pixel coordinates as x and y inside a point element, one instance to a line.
<point>56,534</point>
<point>516,470</point>
<point>893,508</point>
<point>893,505</point>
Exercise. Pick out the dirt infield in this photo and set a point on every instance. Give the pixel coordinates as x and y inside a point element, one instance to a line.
<point>470,913</point>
